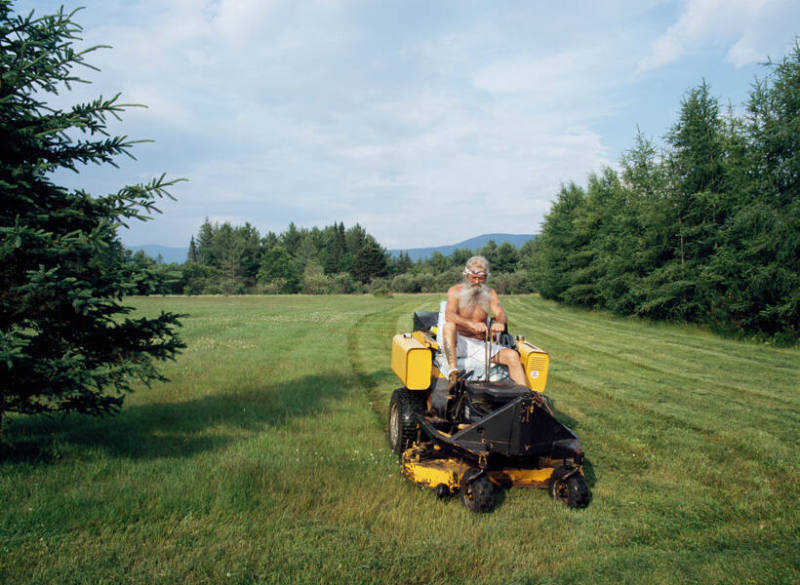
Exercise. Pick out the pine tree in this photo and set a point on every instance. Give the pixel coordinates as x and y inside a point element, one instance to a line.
<point>205,244</point>
<point>279,269</point>
<point>644,241</point>
<point>66,343</point>
<point>192,255</point>
<point>550,262</point>
<point>506,258</point>
<point>697,178</point>
<point>370,261</point>
<point>765,234</point>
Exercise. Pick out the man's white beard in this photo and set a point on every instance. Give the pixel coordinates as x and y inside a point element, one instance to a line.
<point>473,295</point>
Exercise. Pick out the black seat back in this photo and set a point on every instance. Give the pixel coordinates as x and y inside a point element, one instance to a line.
<point>425,320</point>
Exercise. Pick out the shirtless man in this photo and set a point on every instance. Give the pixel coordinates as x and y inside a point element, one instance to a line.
<point>468,305</point>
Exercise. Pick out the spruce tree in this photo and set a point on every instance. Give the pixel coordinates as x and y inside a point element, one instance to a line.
<point>766,228</point>
<point>66,340</point>
<point>696,171</point>
<point>550,263</point>
<point>369,262</point>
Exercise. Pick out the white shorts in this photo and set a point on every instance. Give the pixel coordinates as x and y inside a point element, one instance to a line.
<point>475,349</point>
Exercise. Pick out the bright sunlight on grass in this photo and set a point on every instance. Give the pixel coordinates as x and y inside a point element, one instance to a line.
<point>264,460</point>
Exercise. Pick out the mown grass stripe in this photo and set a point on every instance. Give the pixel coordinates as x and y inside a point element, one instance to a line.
<point>681,365</point>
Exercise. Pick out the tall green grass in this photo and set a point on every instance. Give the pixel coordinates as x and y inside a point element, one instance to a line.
<point>264,460</point>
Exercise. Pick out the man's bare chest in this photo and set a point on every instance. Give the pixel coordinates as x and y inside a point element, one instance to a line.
<point>474,314</point>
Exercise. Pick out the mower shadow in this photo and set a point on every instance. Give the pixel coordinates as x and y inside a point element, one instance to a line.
<point>574,424</point>
<point>588,473</point>
<point>563,418</point>
<point>170,429</point>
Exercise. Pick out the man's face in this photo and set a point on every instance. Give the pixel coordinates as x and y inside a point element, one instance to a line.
<point>476,275</point>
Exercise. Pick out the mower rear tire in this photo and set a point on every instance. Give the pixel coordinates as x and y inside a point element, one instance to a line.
<point>477,491</point>
<point>402,423</point>
<point>572,490</point>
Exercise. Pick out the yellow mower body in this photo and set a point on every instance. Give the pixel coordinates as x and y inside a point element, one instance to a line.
<point>449,471</point>
<point>412,361</point>
<point>474,437</point>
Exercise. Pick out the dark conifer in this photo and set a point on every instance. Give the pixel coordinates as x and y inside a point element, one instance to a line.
<point>66,342</point>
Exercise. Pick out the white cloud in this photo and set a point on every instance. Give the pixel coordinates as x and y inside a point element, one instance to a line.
<point>554,74</point>
<point>748,29</point>
<point>425,122</point>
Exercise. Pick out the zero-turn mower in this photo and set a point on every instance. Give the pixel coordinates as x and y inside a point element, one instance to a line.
<point>475,436</point>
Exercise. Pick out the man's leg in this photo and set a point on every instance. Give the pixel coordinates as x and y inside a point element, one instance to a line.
<point>510,358</point>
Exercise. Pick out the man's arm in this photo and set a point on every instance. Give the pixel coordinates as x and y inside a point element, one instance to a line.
<point>500,318</point>
<point>449,333</point>
<point>451,310</point>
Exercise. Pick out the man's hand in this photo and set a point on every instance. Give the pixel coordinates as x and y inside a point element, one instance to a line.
<point>479,328</point>
<point>497,330</point>
<point>498,327</point>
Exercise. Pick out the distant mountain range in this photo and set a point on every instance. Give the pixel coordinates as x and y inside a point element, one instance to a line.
<point>474,244</point>
<point>168,254</point>
<point>179,255</point>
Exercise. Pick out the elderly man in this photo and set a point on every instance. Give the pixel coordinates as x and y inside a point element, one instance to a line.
<point>468,305</point>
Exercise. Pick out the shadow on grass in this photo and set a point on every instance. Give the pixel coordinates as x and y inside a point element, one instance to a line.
<point>170,429</point>
<point>574,424</point>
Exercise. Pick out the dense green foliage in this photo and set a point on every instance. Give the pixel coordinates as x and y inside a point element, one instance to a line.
<point>235,260</point>
<point>64,339</point>
<point>707,231</point>
<point>257,465</point>
<point>225,259</point>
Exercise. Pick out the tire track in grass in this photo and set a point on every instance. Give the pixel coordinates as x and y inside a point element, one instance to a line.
<point>713,414</point>
<point>714,389</point>
<point>686,396</point>
<point>734,438</point>
<point>615,331</point>
<point>625,435</point>
<point>746,439</point>
<point>728,450</point>
<point>378,327</point>
<point>670,335</point>
<point>688,471</point>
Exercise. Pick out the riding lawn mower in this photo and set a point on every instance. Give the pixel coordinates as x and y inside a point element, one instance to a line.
<point>479,433</point>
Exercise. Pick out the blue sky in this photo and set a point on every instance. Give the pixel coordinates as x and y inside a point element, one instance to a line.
<point>426,122</point>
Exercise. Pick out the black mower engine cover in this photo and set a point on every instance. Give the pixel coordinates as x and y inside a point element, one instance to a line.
<point>520,428</point>
<point>503,419</point>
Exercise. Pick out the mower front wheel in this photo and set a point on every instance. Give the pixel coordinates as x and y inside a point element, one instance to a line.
<point>477,491</point>
<point>570,488</point>
<point>402,424</point>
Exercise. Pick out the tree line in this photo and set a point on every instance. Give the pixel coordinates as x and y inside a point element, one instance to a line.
<point>705,230</point>
<point>228,259</point>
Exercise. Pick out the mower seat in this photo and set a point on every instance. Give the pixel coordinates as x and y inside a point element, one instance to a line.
<point>425,320</point>
<point>496,393</point>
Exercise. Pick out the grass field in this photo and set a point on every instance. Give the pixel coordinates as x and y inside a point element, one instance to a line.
<point>264,460</point>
